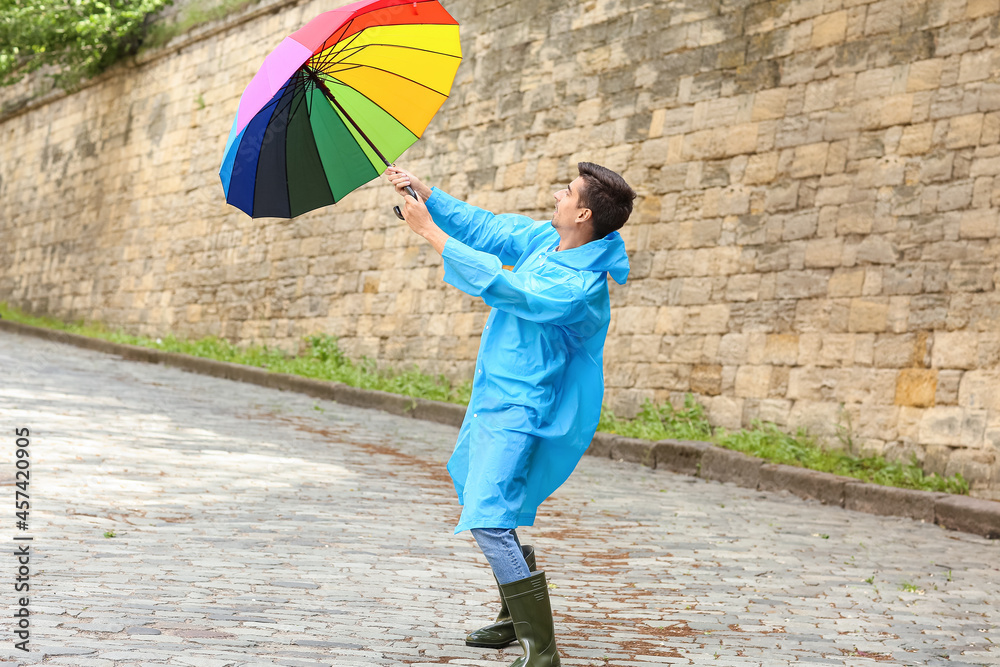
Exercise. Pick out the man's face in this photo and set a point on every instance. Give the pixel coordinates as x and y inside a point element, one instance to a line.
<point>568,208</point>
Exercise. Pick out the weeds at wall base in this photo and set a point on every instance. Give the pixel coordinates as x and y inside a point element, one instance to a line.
<point>323,359</point>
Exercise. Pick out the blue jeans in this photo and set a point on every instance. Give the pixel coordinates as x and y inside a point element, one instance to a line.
<point>503,551</point>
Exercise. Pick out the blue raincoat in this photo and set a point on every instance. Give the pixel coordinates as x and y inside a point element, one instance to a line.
<point>539,378</point>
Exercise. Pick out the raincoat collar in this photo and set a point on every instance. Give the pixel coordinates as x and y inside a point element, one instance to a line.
<point>607,254</point>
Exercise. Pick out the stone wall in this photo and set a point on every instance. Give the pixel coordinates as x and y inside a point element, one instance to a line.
<point>816,244</point>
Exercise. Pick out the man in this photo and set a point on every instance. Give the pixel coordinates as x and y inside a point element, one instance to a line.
<point>539,381</point>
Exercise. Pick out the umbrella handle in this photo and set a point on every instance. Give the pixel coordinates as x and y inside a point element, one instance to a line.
<point>395,209</point>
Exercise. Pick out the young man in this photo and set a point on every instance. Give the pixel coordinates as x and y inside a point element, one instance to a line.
<point>539,376</point>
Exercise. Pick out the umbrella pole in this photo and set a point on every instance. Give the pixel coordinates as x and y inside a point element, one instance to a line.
<point>343,112</point>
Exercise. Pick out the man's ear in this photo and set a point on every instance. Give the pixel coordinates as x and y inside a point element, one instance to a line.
<point>584,215</point>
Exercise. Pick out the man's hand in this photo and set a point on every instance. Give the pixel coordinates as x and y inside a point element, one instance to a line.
<point>414,210</point>
<point>400,179</point>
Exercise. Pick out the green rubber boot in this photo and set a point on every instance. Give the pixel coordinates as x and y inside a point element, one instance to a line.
<point>528,603</point>
<point>500,633</point>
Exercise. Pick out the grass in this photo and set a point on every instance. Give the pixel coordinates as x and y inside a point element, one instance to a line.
<point>767,441</point>
<point>323,359</point>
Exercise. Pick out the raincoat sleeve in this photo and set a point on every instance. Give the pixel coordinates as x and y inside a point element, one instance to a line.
<point>556,295</point>
<point>505,236</point>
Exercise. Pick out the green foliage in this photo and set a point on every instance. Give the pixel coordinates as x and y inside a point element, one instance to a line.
<point>767,441</point>
<point>321,358</point>
<point>79,38</point>
<point>661,422</point>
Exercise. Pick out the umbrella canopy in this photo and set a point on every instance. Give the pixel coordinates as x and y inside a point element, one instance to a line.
<point>337,102</point>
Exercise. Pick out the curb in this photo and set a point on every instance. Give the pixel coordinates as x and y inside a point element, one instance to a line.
<point>705,460</point>
<point>686,457</point>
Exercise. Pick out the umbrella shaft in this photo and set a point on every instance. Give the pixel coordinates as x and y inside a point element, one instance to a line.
<point>329,96</point>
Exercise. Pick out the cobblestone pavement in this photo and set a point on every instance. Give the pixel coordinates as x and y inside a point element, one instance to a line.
<point>257,527</point>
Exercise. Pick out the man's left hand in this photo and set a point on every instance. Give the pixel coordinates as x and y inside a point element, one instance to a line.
<point>420,221</point>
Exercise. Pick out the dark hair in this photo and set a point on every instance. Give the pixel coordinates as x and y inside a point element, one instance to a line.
<point>608,197</point>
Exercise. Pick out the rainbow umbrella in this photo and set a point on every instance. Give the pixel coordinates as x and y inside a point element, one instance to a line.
<point>336,103</point>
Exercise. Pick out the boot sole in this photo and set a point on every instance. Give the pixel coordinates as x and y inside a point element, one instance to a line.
<point>482,645</point>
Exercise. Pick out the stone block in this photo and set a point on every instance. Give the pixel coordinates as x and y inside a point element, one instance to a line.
<point>916,139</point>
<point>845,282</point>
<point>810,160</point>
<point>706,379</point>
<point>824,253</point>
<point>964,131</point>
<point>856,218</point>
<point>982,8</point>
<point>829,29</point>
<point>769,104</point>
<point>897,110</point>
<point>835,350</point>
<point>725,411</point>
<point>732,349</point>
<point>970,278</point>
<point>826,94</point>
<point>916,387</point>
<point>669,320</point>
<point>955,349</point>
<point>741,139</point>
<point>969,515</point>
<point>900,350</point>
<point>991,130</point>
<point>891,501</point>
<point>709,319</point>
<point>635,320</point>
<point>680,456</point>
<point>798,225</point>
<point>884,16</point>
<point>981,223</point>
<point>725,465</point>
<point>873,84</point>
<point>925,75</point>
<point>753,381</point>
<point>868,316</point>
<point>948,387</point>
<point>743,287</point>
<point>980,390</point>
<point>801,284</point>
<point>976,66</point>
<point>804,483</point>
<point>941,425</point>
<point>935,167</point>
<point>989,97</point>
<point>873,249</point>
<point>903,279</point>
<point>761,168</point>
<point>985,163</point>
<point>782,349</point>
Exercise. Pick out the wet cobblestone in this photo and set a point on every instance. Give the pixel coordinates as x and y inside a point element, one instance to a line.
<point>257,527</point>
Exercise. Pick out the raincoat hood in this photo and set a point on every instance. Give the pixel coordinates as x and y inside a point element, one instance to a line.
<point>607,254</point>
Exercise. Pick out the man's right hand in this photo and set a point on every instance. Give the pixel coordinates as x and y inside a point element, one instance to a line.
<point>401,178</point>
